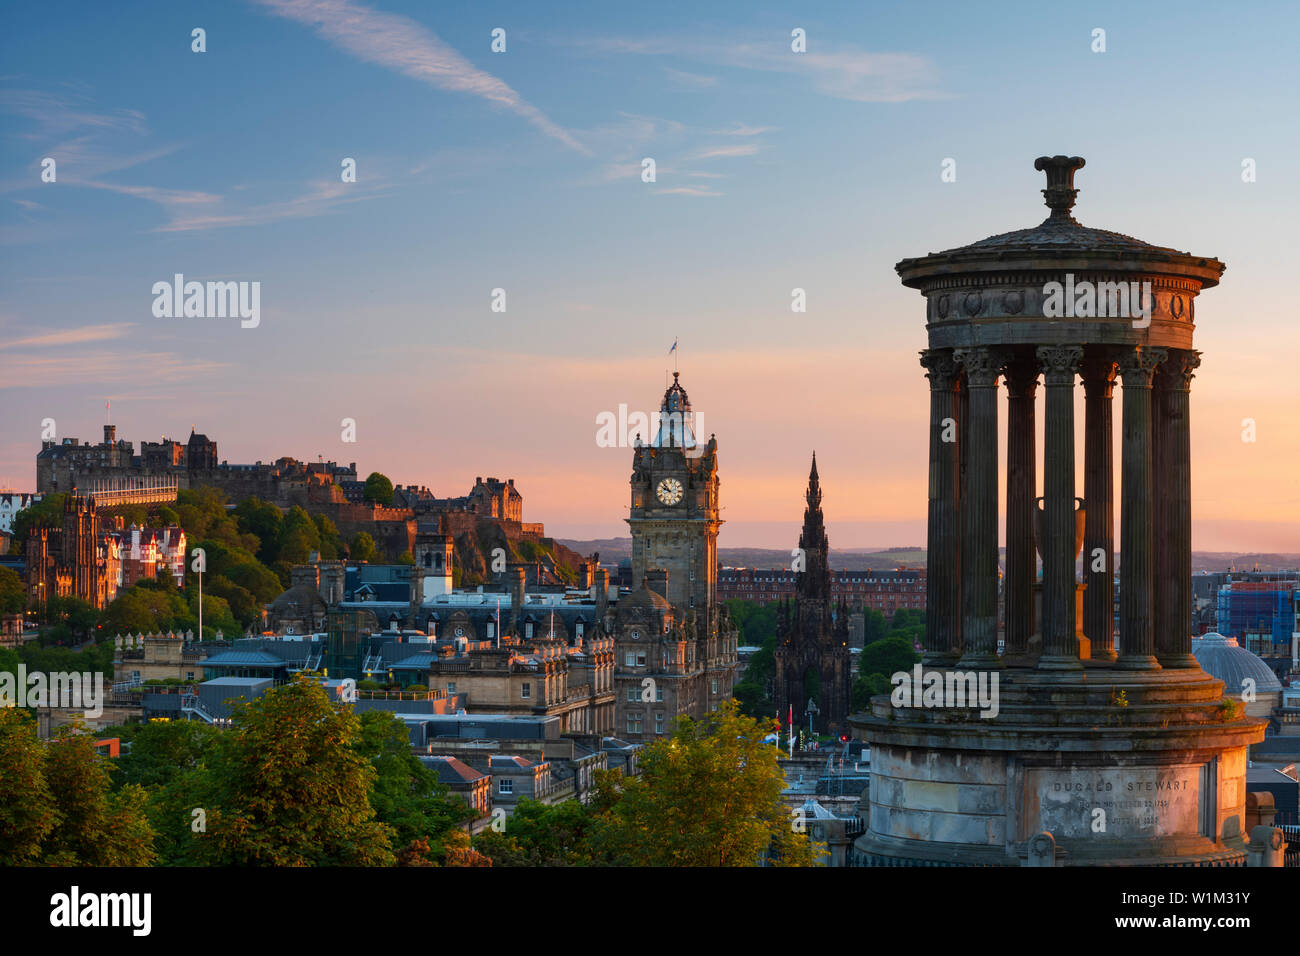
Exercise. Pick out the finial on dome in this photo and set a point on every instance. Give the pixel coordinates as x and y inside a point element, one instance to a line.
<point>1060,193</point>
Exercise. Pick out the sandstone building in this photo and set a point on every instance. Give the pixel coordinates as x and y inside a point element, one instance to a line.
<point>674,642</point>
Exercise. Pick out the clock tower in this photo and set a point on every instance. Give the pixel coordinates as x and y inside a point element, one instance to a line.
<point>674,515</point>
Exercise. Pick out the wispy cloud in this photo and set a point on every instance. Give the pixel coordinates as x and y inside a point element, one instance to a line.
<point>727,152</point>
<point>841,72</point>
<point>628,136</point>
<point>689,191</point>
<point>41,371</point>
<point>88,333</point>
<point>188,213</point>
<point>690,81</point>
<point>404,45</point>
<point>740,129</point>
<point>57,115</point>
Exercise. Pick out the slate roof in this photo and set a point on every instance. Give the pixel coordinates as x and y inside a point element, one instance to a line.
<point>452,770</point>
<point>244,659</point>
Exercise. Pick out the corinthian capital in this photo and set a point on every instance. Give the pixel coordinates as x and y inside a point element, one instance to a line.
<point>1098,372</point>
<point>940,368</point>
<point>1176,372</point>
<point>983,365</point>
<point>1020,373</point>
<point>1059,363</point>
<point>1138,365</point>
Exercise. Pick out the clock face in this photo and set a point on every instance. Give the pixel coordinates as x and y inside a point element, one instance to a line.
<point>669,491</point>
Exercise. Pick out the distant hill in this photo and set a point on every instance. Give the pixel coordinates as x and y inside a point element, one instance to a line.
<point>613,550</point>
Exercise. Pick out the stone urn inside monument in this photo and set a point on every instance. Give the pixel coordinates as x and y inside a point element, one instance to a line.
<point>1080,523</point>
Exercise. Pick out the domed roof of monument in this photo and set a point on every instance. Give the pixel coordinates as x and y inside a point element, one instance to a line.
<point>1223,658</point>
<point>1061,235</point>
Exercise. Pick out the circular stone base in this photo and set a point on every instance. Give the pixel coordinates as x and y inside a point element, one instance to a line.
<point>1121,767</point>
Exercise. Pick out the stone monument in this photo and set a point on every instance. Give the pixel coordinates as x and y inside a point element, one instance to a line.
<point>1124,752</point>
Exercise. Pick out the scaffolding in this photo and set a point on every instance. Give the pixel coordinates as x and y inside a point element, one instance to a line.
<point>1261,615</point>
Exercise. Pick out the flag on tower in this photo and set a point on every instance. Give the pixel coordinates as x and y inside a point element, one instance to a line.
<point>674,348</point>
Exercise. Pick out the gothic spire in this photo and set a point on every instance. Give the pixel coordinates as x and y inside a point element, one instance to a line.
<point>814,497</point>
<point>815,581</point>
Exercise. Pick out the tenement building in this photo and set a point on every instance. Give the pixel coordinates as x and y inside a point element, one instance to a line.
<point>886,590</point>
<point>812,635</point>
<point>1112,751</point>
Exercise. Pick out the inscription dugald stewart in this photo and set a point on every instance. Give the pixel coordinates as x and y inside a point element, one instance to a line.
<point>1116,802</point>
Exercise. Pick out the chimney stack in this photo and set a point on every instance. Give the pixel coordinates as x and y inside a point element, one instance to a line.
<point>656,579</point>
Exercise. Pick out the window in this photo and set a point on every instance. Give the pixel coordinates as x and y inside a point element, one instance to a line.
<point>715,685</point>
<point>525,690</point>
<point>634,723</point>
<point>629,659</point>
<point>528,630</point>
<point>189,675</point>
<point>659,694</point>
<point>451,687</point>
<point>632,695</point>
<point>577,628</point>
<point>659,723</point>
<point>505,786</point>
<point>640,659</point>
<point>492,630</point>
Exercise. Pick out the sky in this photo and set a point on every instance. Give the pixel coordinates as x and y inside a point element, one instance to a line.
<point>522,171</point>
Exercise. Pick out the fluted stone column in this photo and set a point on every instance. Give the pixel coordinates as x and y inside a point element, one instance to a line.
<point>943,535</point>
<point>963,457</point>
<point>1136,533</point>
<point>1098,374</point>
<point>1060,645</point>
<point>980,510</point>
<point>1172,569</point>
<point>1022,566</point>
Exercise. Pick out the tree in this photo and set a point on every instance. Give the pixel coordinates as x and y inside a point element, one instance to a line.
<point>46,513</point>
<point>96,826</point>
<point>708,796</point>
<point>289,787</point>
<point>331,542</point>
<point>874,625</point>
<point>378,489</point>
<point>26,806</point>
<point>877,663</point>
<point>362,547</point>
<point>264,520</point>
<point>538,834</point>
<point>299,536</point>
<point>161,750</point>
<point>407,795</point>
<point>13,596</point>
<point>757,622</point>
